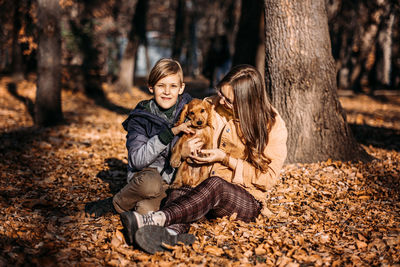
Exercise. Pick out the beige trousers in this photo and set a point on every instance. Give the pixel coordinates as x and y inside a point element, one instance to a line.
<point>143,193</point>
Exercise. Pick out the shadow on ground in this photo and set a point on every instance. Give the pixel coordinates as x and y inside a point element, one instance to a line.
<point>377,136</point>
<point>114,175</point>
<point>12,89</point>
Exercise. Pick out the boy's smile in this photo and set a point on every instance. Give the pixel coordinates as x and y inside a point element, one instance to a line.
<point>167,90</point>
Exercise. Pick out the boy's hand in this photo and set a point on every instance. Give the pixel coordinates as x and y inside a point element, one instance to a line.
<point>184,127</point>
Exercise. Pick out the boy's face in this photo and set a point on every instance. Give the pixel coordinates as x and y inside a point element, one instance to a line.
<point>167,90</point>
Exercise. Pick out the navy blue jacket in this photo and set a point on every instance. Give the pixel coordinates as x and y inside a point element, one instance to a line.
<point>145,148</point>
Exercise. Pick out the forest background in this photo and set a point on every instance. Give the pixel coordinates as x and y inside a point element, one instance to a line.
<point>207,37</point>
<point>325,212</point>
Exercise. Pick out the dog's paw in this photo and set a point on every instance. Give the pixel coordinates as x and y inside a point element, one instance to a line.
<point>175,163</point>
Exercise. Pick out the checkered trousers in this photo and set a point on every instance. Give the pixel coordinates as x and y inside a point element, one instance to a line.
<point>214,197</point>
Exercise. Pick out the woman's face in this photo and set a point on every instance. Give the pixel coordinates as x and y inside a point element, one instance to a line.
<point>226,96</point>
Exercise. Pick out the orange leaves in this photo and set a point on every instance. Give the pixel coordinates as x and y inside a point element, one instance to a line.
<point>324,214</point>
<point>260,250</point>
<point>213,250</point>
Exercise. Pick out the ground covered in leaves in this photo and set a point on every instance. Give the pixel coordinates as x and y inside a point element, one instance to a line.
<point>326,214</point>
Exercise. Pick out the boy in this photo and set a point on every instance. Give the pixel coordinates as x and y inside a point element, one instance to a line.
<point>150,137</point>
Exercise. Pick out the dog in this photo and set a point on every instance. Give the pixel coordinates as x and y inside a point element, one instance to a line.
<point>199,112</point>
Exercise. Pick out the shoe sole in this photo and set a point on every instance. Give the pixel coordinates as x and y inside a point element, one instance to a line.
<point>130,224</point>
<point>150,238</point>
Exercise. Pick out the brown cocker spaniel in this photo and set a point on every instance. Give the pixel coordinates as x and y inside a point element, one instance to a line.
<point>189,173</point>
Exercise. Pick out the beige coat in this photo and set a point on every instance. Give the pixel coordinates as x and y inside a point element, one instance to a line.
<point>255,182</point>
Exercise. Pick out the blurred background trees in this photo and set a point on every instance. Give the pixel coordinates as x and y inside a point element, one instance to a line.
<point>365,43</point>
<point>114,41</point>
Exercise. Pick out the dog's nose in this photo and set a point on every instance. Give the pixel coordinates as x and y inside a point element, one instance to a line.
<point>199,122</point>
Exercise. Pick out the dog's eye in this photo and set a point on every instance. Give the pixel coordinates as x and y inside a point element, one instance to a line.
<point>202,110</point>
<point>191,113</point>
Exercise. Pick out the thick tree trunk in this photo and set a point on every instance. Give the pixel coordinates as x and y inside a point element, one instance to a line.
<point>301,81</point>
<point>247,39</point>
<point>48,94</point>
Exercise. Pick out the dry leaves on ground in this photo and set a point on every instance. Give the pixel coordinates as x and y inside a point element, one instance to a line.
<point>330,213</point>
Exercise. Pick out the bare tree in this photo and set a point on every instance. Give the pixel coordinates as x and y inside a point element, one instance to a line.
<point>383,63</point>
<point>179,35</point>
<point>136,34</point>
<point>48,94</point>
<point>301,81</point>
<point>17,61</point>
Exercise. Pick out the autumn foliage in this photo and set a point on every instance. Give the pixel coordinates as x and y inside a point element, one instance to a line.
<point>321,214</point>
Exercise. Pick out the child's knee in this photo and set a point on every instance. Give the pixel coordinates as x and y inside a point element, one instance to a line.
<point>147,205</point>
<point>148,183</point>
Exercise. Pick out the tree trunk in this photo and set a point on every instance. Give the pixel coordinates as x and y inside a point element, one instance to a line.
<point>301,81</point>
<point>395,74</point>
<point>137,35</point>
<point>260,56</point>
<point>89,44</point>
<point>127,66</point>
<point>179,34</point>
<point>17,61</point>
<point>384,53</point>
<point>247,39</point>
<point>231,22</point>
<point>48,94</point>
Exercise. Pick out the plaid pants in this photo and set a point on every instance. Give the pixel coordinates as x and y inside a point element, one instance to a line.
<point>214,197</point>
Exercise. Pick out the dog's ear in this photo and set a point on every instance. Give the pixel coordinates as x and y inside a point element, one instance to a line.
<point>183,115</point>
<point>209,109</point>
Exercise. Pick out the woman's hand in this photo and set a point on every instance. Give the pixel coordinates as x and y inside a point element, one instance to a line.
<point>208,156</point>
<point>183,127</point>
<point>191,148</point>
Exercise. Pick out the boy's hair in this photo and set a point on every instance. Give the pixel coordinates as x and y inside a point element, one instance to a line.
<point>162,69</point>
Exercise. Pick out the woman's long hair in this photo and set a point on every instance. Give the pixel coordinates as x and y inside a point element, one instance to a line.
<point>253,110</point>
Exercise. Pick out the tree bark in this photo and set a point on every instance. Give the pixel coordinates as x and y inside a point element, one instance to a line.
<point>301,82</point>
<point>48,95</point>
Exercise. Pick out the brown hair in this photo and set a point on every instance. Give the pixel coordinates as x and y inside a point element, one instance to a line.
<point>162,69</point>
<point>253,109</point>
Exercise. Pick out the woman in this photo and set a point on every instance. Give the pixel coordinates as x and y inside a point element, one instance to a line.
<point>249,151</point>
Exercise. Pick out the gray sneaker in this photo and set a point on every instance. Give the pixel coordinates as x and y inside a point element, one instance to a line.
<point>151,238</point>
<point>132,221</point>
